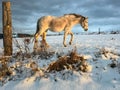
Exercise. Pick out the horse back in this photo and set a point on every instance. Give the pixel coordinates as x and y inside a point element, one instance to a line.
<point>55,24</point>
<point>45,20</point>
<point>58,24</point>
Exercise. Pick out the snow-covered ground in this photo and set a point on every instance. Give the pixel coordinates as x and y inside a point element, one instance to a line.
<point>102,53</point>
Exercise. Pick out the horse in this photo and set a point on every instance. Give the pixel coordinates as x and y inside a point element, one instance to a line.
<point>58,24</point>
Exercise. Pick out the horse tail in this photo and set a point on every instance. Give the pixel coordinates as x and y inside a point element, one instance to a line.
<point>37,29</point>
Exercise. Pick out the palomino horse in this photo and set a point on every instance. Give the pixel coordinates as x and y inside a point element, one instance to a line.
<point>58,24</point>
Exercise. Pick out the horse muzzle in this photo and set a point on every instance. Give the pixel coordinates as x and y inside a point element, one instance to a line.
<point>86,29</point>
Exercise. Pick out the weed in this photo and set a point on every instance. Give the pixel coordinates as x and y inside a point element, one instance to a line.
<point>73,61</point>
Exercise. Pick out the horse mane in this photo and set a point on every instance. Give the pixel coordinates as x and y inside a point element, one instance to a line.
<point>76,15</point>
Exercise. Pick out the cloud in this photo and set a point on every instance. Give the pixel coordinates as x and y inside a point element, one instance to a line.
<point>25,13</point>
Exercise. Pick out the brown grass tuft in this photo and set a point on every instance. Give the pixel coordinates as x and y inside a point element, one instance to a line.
<point>4,70</point>
<point>44,51</point>
<point>72,61</point>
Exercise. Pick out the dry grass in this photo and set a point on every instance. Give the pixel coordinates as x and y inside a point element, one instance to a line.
<point>4,69</point>
<point>23,51</point>
<point>44,51</point>
<point>23,64</point>
<point>72,61</point>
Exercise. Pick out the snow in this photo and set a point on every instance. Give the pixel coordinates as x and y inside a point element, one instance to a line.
<point>101,52</point>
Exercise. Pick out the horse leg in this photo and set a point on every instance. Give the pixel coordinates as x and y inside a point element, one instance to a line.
<point>36,40</point>
<point>44,39</point>
<point>64,40</point>
<point>37,35</point>
<point>72,36</point>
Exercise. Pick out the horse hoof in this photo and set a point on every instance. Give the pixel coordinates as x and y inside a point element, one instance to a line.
<point>65,45</point>
<point>70,43</point>
<point>48,46</point>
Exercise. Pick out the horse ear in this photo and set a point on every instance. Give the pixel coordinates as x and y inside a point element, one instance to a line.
<point>86,17</point>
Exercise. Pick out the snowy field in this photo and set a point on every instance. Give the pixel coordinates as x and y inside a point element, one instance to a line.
<point>101,51</point>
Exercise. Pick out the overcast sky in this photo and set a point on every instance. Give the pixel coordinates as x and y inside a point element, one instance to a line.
<point>104,14</point>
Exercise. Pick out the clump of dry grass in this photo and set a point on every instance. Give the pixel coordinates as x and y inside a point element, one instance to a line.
<point>23,50</point>
<point>4,69</point>
<point>16,67</point>
<point>73,61</point>
<point>107,53</point>
<point>44,51</point>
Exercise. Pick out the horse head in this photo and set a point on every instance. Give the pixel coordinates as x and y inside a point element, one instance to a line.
<point>82,20</point>
<point>84,23</point>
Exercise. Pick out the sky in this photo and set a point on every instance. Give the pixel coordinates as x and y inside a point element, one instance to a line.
<point>103,14</point>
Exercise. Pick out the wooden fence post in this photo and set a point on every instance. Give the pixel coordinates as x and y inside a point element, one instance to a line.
<point>7,28</point>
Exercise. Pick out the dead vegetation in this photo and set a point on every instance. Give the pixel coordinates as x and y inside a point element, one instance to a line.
<point>73,61</point>
<point>24,64</point>
<point>44,51</point>
<point>107,54</point>
<point>4,69</point>
<point>23,51</point>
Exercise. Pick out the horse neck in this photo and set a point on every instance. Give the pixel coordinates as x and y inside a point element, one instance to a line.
<point>75,20</point>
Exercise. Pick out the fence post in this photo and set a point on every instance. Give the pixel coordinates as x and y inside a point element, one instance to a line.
<point>99,31</point>
<point>7,28</point>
